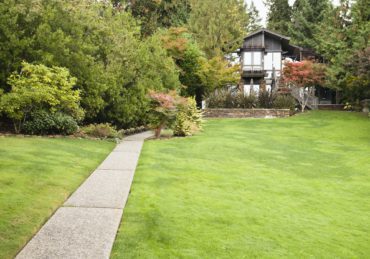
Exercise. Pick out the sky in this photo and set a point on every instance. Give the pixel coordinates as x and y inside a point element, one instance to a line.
<point>263,10</point>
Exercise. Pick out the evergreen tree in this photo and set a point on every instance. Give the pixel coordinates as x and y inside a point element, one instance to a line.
<point>279,15</point>
<point>319,7</point>
<point>306,16</point>
<point>155,14</point>
<point>301,29</point>
<point>174,13</point>
<point>343,40</point>
<point>218,25</point>
<point>254,18</point>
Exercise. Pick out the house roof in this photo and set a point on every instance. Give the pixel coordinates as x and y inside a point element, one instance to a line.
<point>274,34</point>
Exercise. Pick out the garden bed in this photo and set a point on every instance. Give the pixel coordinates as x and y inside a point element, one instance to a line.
<point>246,113</point>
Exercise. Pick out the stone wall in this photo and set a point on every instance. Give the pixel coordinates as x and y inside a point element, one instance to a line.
<point>246,113</point>
<point>337,107</point>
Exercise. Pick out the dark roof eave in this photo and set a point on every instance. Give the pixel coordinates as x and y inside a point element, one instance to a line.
<point>269,32</point>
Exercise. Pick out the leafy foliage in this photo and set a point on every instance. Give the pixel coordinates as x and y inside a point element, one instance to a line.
<point>136,69</point>
<point>217,72</point>
<point>284,101</point>
<point>306,16</point>
<point>162,111</point>
<point>225,98</point>
<point>101,130</point>
<point>343,39</point>
<point>266,99</point>
<point>155,14</point>
<point>198,74</point>
<point>255,21</point>
<point>247,101</point>
<point>99,43</point>
<point>38,87</point>
<point>304,74</point>
<point>279,16</point>
<point>218,25</point>
<point>45,123</point>
<point>302,77</point>
<point>188,118</point>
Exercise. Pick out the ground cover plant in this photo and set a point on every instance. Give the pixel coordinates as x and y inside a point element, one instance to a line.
<point>36,176</point>
<point>296,187</point>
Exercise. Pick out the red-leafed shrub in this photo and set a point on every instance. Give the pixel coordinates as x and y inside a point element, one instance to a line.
<point>162,111</point>
<point>302,77</point>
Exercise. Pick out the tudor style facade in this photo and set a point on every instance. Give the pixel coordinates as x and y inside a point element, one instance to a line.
<point>261,58</point>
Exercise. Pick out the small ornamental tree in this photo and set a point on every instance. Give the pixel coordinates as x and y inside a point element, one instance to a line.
<point>40,88</point>
<point>162,111</point>
<point>188,119</point>
<point>302,77</point>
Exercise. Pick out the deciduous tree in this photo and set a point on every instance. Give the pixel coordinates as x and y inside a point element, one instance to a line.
<point>38,88</point>
<point>302,78</point>
<point>218,25</point>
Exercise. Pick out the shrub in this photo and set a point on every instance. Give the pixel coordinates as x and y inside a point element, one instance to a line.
<point>162,111</point>
<point>188,119</point>
<point>102,130</point>
<point>132,130</point>
<point>217,99</point>
<point>39,88</point>
<point>45,123</point>
<point>266,99</point>
<point>246,101</point>
<point>222,98</point>
<point>230,99</point>
<point>284,102</point>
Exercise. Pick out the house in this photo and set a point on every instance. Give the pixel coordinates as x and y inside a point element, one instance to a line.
<point>261,58</point>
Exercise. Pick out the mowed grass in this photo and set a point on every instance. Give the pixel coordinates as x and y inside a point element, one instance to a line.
<point>36,176</point>
<point>254,188</point>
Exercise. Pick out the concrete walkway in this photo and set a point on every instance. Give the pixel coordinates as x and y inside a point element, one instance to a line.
<point>86,225</point>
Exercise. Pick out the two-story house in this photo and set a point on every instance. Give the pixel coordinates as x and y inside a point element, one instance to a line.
<point>261,58</point>
<point>262,55</point>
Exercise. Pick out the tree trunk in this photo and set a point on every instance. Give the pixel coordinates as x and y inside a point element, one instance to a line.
<point>157,131</point>
<point>303,107</point>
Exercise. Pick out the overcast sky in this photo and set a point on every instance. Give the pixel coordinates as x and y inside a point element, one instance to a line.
<point>263,10</point>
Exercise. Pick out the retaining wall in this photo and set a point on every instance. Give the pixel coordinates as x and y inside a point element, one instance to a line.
<point>246,113</point>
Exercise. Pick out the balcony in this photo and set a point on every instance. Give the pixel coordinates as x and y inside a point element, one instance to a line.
<point>253,71</point>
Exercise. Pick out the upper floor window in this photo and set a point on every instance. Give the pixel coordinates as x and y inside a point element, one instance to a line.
<point>272,61</point>
<point>252,58</point>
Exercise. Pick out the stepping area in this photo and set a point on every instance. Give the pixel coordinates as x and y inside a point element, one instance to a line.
<point>86,225</point>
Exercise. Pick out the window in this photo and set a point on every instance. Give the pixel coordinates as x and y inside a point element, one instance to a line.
<point>247,58</point>
<point>268,61</point>
<point>277,60</point>
<point>252,60</point>
<point>273,60</point>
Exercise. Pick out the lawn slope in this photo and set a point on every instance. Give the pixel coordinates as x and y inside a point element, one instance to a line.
<point>295,187</point>
<point>36,176</point>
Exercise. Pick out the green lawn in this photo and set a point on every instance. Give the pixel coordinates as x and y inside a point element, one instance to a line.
<point>296,187</point>
<point>36,176</point>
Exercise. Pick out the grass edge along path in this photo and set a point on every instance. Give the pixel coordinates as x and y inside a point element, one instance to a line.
<point>36,176</point>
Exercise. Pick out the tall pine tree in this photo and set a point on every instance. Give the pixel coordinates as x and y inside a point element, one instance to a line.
<point>343,40</point>
<point>155,14</point>
<point>254,18</point>
<point>306,16</point>
<point>279,15</point>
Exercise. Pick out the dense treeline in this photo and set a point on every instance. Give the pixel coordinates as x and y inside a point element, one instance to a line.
<point>340,34</point>
<point>120,50</point>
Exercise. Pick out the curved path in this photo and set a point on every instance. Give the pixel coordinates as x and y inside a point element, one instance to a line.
<point>86,225</point>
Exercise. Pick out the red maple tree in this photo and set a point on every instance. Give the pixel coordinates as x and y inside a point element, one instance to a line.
<point>302,78</point>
